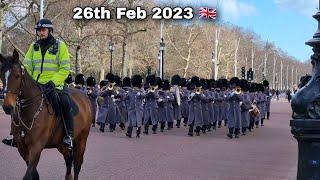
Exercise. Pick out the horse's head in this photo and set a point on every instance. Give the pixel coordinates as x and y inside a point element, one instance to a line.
<point>11,74</point>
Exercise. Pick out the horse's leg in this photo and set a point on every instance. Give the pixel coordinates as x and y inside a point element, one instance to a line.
<point>33,160</point>
<point>79,149</point>
<point>68,158</point>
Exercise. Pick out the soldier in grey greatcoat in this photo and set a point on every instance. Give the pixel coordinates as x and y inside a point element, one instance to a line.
<point>175,81</point>
<point>150,113</point>
<point>185,92</point>
<point>108,110</point>
<point>121,104</point>
<point>135,106</point>
<point>234,115</point>
<point>245,107</point>
<point>93,93</point>
<point>195,118</point>
<point>268,96</point>
<point>165,111</point>
<point>206,102</point>
<point>211,85</point>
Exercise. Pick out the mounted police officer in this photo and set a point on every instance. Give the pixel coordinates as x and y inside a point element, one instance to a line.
<point>48,62</point>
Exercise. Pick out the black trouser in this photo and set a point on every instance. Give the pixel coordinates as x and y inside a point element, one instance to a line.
<point>64,101</point>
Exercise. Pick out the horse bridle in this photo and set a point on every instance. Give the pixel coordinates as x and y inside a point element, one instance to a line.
<point>20,102</point>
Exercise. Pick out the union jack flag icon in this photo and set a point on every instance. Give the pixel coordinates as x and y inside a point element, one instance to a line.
<point>207,13</point>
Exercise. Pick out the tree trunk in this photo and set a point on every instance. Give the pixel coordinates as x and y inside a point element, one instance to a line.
<point>236,58</point>
<point>1,27</point>
<point>274,69</point>
<point>281,76</point>
<point>125,58</point>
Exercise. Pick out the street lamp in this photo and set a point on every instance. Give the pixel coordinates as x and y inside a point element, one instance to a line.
<point>111,49</point>
<point>162,48</point>
<point>305,125</point>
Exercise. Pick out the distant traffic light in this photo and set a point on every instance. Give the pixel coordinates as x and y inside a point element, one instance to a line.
<point>243,72</point>
<point>250,74</point>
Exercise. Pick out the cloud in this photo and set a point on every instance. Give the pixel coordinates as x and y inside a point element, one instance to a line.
<point>305,7</point>
<point>230,9</point>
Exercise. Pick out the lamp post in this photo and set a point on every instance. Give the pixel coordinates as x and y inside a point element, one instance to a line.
<point>162,48</point>
<point>111,49</point>
<point>305,125</point>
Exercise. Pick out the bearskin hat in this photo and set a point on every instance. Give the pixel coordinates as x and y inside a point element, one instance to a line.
<point>203,83</point>
<point>195,81</point>
<point>69,79</point>
<point>151,80</point>
<point>265,83</point>
<point>183,82</point>
<point>166,85</point>
<point>117,80</point>
<point>126,82</point>
<point>244,85</point>
<point>79,79</point>
<point>110,78</point>
<point>235,81</point>
<point>103,83</point>
<point>91,81</point>
<point>212,83</point>
<point>137,81</point>
<point>190,86</point>
<point>175,80</point>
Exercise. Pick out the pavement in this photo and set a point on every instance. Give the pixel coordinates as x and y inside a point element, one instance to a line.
<point>268,153</point>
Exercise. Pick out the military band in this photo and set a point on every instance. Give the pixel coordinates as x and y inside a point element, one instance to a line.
<point>201,104</point>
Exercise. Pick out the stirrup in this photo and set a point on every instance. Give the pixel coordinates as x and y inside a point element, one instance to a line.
<point>68,141</point>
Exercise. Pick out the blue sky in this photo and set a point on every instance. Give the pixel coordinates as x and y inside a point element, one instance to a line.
<point>286,23</point>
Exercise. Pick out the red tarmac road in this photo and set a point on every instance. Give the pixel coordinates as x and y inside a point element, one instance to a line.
<point>269,153</point>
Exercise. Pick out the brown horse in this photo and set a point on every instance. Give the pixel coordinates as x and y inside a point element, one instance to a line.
<point>34,125</point>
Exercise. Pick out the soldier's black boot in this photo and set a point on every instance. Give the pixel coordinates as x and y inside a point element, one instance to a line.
<point>214,125</point>
<point>204,128</point>
<point>169,126</point>
<point>129,132</point>
<point>225,122</point>
<point>162,125</point>
<point>122,126</point>
<point>262,122</point>
<point>102,125</point>
<point>230,134</point>
<point>219,124</point>
<point>237,132</point>
<point>268,115</point>
<point>111,127</point>
<point>244,130</point>
<point>257,124</point>
<point>209,127</point>
<point>178,123</point>
<point>198,129</point>
<point>185,121</point>
<point>138,132</point>
<point>154,129</point>
<point>190,133</point>
<point>146,129</point>
<point>68,140</point>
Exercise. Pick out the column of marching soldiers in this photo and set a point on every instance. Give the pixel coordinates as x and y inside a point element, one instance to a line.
<point>201,104</point>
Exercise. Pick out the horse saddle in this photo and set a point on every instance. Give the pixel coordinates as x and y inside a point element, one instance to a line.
<point>53,99</point>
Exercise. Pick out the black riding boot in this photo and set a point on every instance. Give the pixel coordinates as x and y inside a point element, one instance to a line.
<point>198,129</point>
<point>68,118</point>
<point>138,132</point>
<point>129,132</point>
<point>230,134</point>
<point>268,115</point>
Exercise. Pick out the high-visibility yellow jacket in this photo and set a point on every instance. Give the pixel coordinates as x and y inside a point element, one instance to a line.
<point>56,63</point>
